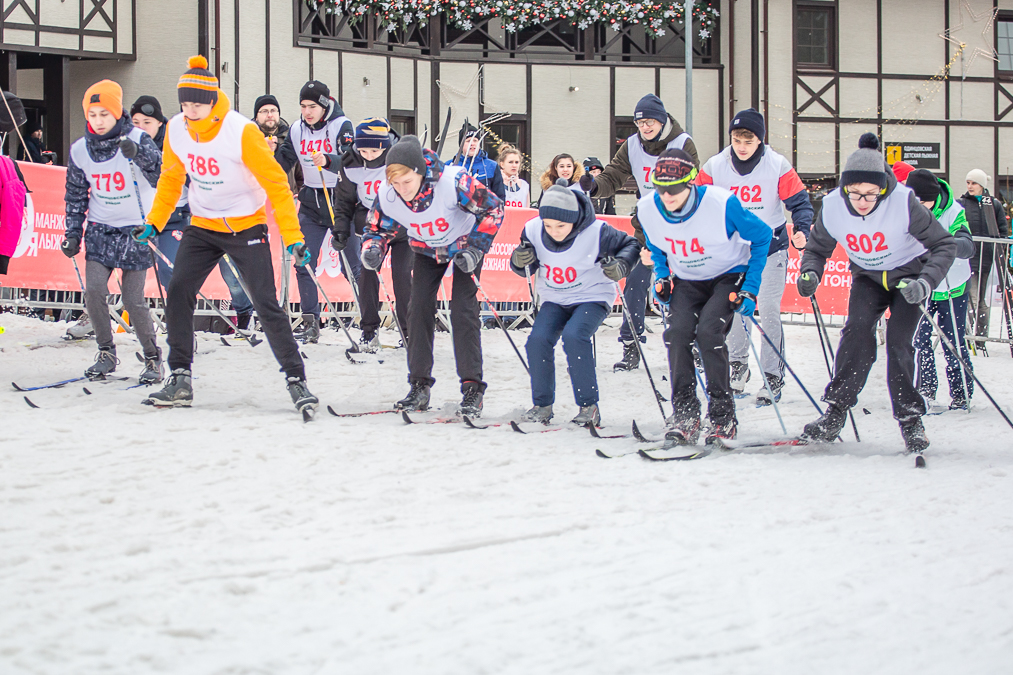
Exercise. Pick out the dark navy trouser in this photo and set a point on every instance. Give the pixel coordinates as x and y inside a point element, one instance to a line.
<point>576,324</point>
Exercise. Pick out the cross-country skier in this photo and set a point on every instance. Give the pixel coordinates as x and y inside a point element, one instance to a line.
<point>898,254</point>
<point>111,175</point>
<point>231,171</point>
<point>656,132</point>
<point>451,218</point>
<point>766,185</point>
<point>706,249</point>
<point>949,300</point>
<point>476,161</point>
<point>323,129</point>
<point>361,173</point>
<point>578,260</point>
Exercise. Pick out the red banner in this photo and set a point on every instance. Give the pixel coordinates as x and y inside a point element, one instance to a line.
<point>38,262</point>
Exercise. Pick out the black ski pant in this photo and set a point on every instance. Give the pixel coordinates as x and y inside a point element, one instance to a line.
<point>856,353</point>
<point>199,253</point>
<point>427,274</point>
<point>700,312</point>
<point>400,256</point>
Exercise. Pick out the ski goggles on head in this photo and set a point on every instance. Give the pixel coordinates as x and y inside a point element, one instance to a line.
<point>673,175</point>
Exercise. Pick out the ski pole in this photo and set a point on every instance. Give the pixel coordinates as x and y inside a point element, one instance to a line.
<point>348,268</point>
<point>355,345</point>
<point>963,375</point>
<point>967,368</point>
<point>821,328</point>
<point>781,356</point>
<point>393,309</point>
<point>251,337</point>
<point>485,298</point>
<point>531,292</point>
<point>647,369</point>
<point>766,382</point>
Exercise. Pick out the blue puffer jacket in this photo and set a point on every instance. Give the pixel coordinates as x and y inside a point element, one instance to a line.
<point>485,170</point>
<point>110,246</point>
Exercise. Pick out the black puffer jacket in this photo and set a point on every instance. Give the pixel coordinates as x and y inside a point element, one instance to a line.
<point>611,242</point>
<point>111,246</point>
<point>977,221</point>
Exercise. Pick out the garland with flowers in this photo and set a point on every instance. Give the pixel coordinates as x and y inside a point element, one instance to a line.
<point>517,15</point>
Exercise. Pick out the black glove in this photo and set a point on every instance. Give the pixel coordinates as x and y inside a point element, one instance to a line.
<point>587,183</point>
<point>128,148</point>
<point>807,284</point>
<point>914,291</point>
<point>523,255</point>
<point>339,240</point>
<point>468,259</point>
<point>663,290</point>
<point>614,268</point>
<point>71,246</point>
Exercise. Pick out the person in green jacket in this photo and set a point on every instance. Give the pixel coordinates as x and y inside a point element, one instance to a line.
<point>948,303</point>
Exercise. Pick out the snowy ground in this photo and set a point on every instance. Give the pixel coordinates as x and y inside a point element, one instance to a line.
<point>232,538</point>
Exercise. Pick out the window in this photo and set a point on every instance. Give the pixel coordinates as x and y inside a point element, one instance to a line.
<point>1004,44</point>
<point>815,43</point>
<point>402,122</point>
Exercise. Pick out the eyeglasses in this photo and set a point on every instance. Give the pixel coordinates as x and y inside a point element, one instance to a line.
<point>860,197</point>
<point>641,124</point>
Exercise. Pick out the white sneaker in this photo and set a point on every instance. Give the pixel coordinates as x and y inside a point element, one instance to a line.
<point>80,330</point>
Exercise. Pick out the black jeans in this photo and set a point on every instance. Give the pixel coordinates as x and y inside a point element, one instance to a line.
<point>857,351</point>
<point>400,253</point>
<point>464,319</point>
<point>700,312</point>
<point>199,252</point>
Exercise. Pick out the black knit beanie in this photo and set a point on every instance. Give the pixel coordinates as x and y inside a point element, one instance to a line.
<point>266,99</point>
<point>924,184</point>
<point>408,152</point>
<point>316,92</point>
<point>149,107</point>
<point>751,120</point>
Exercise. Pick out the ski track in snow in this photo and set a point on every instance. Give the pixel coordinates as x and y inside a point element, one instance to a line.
<point>232,538</point>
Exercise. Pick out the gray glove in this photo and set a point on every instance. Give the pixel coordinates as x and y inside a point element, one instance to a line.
<point>468,259</point>
<point>614,268</point>
<point>523,255</point>
<point>128,148</point>
<point>807,284</point>
<point>372,255</point>
<point>914,291</point>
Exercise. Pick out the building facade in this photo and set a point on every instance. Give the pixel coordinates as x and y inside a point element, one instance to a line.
<point>934,78</point>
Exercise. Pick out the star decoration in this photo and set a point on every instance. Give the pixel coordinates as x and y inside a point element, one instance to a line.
<point>990,14</point>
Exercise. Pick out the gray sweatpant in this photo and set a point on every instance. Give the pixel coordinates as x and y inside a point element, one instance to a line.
<point>768,302</point>
<point>96,290</point>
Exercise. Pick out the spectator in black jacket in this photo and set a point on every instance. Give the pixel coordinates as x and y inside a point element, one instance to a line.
<point>607,206</point>
<point>267,115</point>
<point>985,218</point>
<point>34,145</point>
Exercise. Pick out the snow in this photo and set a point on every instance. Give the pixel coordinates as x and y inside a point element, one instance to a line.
<point>233,538</point>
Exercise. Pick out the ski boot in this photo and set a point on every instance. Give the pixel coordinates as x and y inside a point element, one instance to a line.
<point>81,330</point>
<point>828,427</point>
<point>152,371</point>
<point>588,414</point>
<point>721,432</point>
<point>631,358</point>
<point>243,321</point>
<point>740,375</point>
<point>913,432</point>
<point>305,402</point>
<point>959,403</point>
<point>105,363</point>
<point>416,400</point>
<point>369,343</point>
<point>685,431</point>
<point>776,385</point>
<point>177,392</point>
<point>471,404</point>
<point>309,331</point>
<point>539,413</point>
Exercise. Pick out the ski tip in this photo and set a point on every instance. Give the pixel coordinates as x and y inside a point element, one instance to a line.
<point>303,354</point>
<point>225,342</point>
<point>406,418</point>
<point>601,454</point>
<point>139,357</point>
<point>919,460</point>
<point>470,423</point>
<point>866,411</point>
<point>594,432</point>
<point>86,391</point>
<point>29,402</point>
<point>331,411</point>
<point>308,414</point>
<point>16,387</point>
<point>516,427</point>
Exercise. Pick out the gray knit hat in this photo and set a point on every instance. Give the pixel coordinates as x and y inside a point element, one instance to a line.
<point>408,152</point>
<point>559,203</point>
<point>865,165</point>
